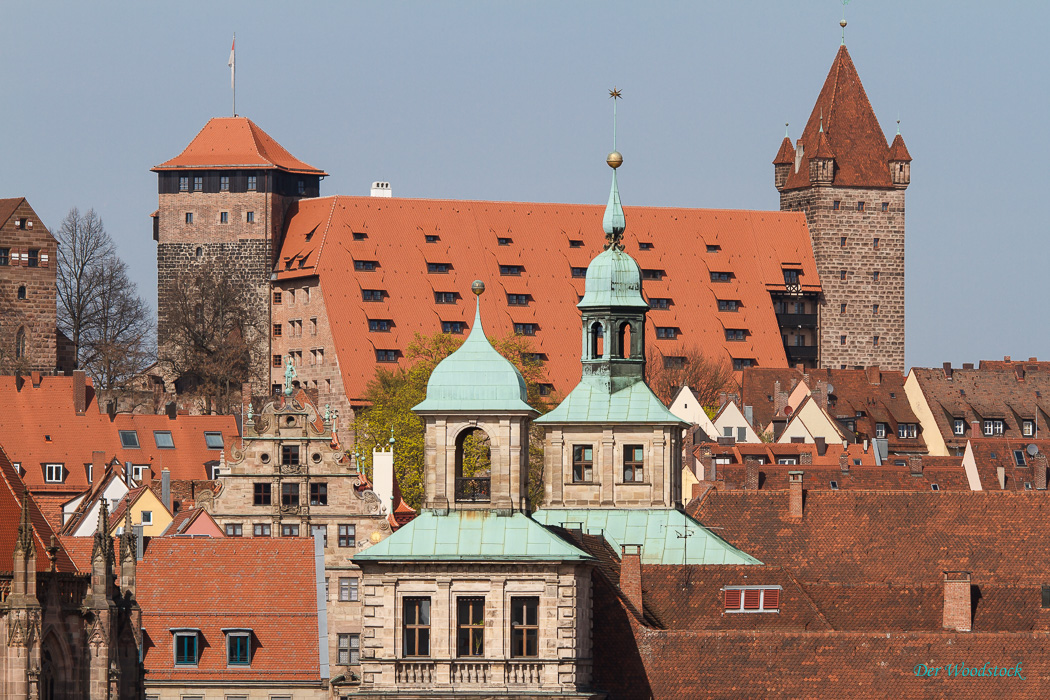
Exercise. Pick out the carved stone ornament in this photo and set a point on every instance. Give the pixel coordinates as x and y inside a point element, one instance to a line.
<point>97,638</point>
<point>292,468</point>
<point>17,631</point>
<point>236,454</point>
<point>289,510</point>
<point>206,500</point>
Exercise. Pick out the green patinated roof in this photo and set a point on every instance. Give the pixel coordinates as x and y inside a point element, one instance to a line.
<point>589,403</point>
<point>656,530</point>
<point>472,535</point>
<point>613,279</point>
<point>475,378</point>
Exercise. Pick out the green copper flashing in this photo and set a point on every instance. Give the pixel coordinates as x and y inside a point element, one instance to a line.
<point>474,535</point>
<point>475,378</point>
<point>667,536</point>
<point>591,403</point>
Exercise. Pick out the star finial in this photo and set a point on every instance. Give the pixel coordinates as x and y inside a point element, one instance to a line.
<point>616,94</point>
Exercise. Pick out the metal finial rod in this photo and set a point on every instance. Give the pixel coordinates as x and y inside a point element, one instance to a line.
<point>615,94</point>
<point>842,22</point>
<point>786,125</point>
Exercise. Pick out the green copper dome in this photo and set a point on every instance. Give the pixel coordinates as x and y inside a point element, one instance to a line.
<point>613,279</point>
<point>475,378</point>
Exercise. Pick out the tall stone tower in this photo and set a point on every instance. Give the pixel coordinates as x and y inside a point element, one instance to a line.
<point>850,184</point>
<point>222,205</point>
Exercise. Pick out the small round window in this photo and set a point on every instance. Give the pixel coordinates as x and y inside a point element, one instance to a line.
<point>290,420</point>
<point>316,457</point>
<point>264,458</point>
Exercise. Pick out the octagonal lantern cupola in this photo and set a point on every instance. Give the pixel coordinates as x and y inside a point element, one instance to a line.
<point>476,418</point>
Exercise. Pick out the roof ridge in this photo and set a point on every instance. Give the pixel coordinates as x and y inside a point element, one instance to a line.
<point>324,236</point>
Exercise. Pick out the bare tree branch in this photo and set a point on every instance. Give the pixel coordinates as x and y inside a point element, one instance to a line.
<point>705,375</point>
<point>83,245</point>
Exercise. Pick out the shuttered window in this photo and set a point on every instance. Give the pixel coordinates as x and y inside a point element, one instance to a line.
<point>752,599</point>
<point>733,600</point>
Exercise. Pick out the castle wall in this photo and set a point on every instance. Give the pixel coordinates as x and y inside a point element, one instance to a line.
<point>36,314</point>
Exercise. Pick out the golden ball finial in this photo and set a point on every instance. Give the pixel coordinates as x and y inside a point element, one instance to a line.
<point>614,159</point>
<point>478,288</point>
<point>842,23</point>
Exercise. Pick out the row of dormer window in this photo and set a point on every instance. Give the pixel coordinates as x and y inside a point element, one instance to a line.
<point>224,217</point>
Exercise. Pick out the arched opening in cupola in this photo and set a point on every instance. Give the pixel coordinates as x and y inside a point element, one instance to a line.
<point>625,340</point>
<point>473,465</point>
<point>597,338</point>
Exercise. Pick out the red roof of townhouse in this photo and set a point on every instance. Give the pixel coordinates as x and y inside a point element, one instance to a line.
<point>41,426</point>
<point>235,142</point>
<point>842,125</point>
<point>267,586</point>
<point>1019,465</point>
<point>13,495</point>
<point>412,249</point>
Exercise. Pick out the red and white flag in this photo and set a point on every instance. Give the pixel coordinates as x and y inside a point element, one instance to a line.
<point>232,64</point>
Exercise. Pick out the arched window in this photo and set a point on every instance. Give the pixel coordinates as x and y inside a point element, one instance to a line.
<point>597,340</point>
<point>22,292</point>
<point>200,252</point>
<point>625,340</point>
<point>473,465</point>
<point>20,343</point>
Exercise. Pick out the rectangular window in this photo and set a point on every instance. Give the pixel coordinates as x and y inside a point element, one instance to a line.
<point>277,297</point>
<point>988,427</point>
<point>189,217</point>
<point>842,341</point>
<point>842,242</point>
<point>313,326</point>
<point>438,268</point>
<point>348,589</point>
<point>318,493</point>
<point>349,649</point>
<point>1019,458</point>
<point>835,205</point>
<point>907,430</point>
<point>579,272</point>
<point>525,329</point>
<point>277,361</point>
<point>290,493</point>
<point>885,206</point>
<point>860,206</point>
<point>213,440</point>
<point>252,183</point>
<point>184,184</point>
<point>674,362</point>
<point>277,330</point>
<point>652,274</point>
<point>728,305</point>
<point>875,341</point>
<point>129,439</point>
<point>198,183</point>
<point>726,276</point>
<point>714,248</point>
<point>842,274</point>
<point>386,355</point>
<point>633,460</point>
<point>378,325</point>
<point>645,246</point>
<point>790,278</point>
<point>735,334</point>
<point>261,530</point>
<point>289,530</point>
<point>432,239</point>
<point>34,257</point>
<point>510,270</point>
<point>668,333</point>
<point>1028,428</point>
<point>752,599</point>
<point>289,454</point>
<point>656,303</point>
<point>997,427</point>
<point>740,363</point>
<point>238,649</point>
<point>261,495</point>
<point>573,243</point>
<point>372,295</point>
<point>233,530</point>
<point>455,327</point>
<point>366,265</point>
<point>582,462</point>
<point>875,243</point>
<point>302,187</point>
<point>875,276</point>
<point>358,236</point>
<point>444,297</point>
<point>517,300</point>
<point>874,309</point>
<point>880,430</point>
<point>224,183</point>
<point>54,473</point>
<point>959,426</point>
<point>250,217</point>
<point>347,535</point>
<point>416,629</point>
<point>185,648</point>
<point>524,626</point>
<point>470,621</point>
<point>163,439</point>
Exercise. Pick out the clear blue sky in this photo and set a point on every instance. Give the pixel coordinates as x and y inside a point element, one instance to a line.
<point>508,101</point>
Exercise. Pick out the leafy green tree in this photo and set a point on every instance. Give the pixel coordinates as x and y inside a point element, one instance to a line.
<point>391,394</point>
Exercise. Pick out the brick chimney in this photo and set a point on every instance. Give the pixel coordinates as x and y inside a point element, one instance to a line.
<point>915,465</point>
<point>967,365</point>
<point>1019,372</point>
<point>79,392</point>
<point>874,375</point>
<point>779,399</point>
<point>975,428</point>
<point>98,464</point>
<point>795,494</point>
<point>805,457</point>
<point>750,474</point>
<point>957,607</point>
<point>1039,467</point>
<point>844,463</point>
<point>822,445</point>
<point>948,371</point>
<point>631,574</point>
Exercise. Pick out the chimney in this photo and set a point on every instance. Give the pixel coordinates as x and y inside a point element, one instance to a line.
<point>975,428</point>
<point>701,488</point>
<point>79,392</point>
<point>722,398</point>
<point>915,465</point>
<point>805,458</point>
<point>874,375</point>
<point>631,574</point>
<point>708,462</point>
<point>1006,358</point>
<point>381,189</point>
<point>1000,472</point>
<point>1039,467</point>
<point>844,463</point>
<point>967,365</point>
<point>822,446</point>
<point>139,544</point>
<point>957,607</point>
<point>98,464</point>
<point>795,494</point>
<point>948,371</point>
<point>779,399</point>
<point>750,474</point>
<point>1019,372</point>
<point>36,377</point>
<point>165,488</point>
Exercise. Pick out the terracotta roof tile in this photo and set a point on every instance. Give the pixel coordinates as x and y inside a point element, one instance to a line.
<point>786,154</point>
<point>1012,455</point>
<point>898,151</point>
<point>236,142</point>
<point>753,246</point>
<point>12,491</point>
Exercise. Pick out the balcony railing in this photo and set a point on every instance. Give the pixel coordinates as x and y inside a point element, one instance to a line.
<point>473,489</point>
<point>414,672</point>
<point>797,320</point>
<point>801,352</point>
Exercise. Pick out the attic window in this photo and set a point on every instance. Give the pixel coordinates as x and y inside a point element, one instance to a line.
<point>652,274</point>
<point>740,363</point>
<point>54,473</point>
<point>1046,596</point>
<point>645,246</point>
<point>579,272</point>
<point>721,276</point>
<point>129,439</point>
<point>935,487</point>
<point>431,238</point>
<point>752,599</point>
<point>714,248</point>
<point>834,486</point>
<point>438,268</point>
<point>186,647</point>
<point>504,241</point>
<point>357,236</point>
<point>1019,458</point>
<point>366,265</point>
<point>658,303</point>
<point>213,440</point>
<point>163,439</point>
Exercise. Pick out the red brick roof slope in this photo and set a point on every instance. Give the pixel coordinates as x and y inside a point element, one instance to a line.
<point>854,665</point>
<point>40,426</point>
<point>8,207</point>
<point>786,154</point>
<point>236,142</point>
<point>1012,455</point>
<point>266,585</point>
<point>1008,391</point>
<point>852,131</point>
<point>326,236</point>
<point>898,151</point>
<point>886,477</point>
<point>900,537</point>
<point>12,491</point>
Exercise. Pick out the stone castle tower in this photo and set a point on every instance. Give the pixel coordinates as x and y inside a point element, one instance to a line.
<point>850,184</point>
<point>223,203</point>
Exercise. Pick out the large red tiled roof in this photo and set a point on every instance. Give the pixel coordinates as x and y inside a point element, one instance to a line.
<point>12,491</point>
<point>877,537</point>
<point>40,426</point>
<point>235,142</point>
<point>266,585</point>
<point>325,236</point>
<point>851,131</point>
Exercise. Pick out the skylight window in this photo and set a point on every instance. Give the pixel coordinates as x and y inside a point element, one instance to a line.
<point>213,441</point>
<point>129,439</point>
<point>163,439</point>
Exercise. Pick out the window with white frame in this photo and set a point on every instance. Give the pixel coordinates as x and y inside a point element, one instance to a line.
<point>907,430</point>
<point>752,599</point>
<point>880,430</point>
<point>138,472</point>
<point>1028,428</point>
<point>54,473</point>
<point>959,426</point>
<point>147,517</point>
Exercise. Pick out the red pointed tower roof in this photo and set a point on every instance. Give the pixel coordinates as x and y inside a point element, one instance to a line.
<point>236,142</point>
<point>898,151</point>
<point>786,154</point>
<point>824,149</point>
<point>850,128</point>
